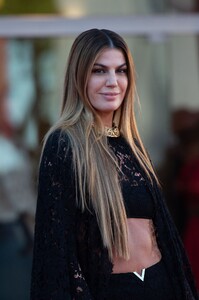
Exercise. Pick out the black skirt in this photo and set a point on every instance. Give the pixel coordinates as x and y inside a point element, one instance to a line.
<point>128,286</point>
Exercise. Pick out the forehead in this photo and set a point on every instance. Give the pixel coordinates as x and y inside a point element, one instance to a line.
<point>111,56</point>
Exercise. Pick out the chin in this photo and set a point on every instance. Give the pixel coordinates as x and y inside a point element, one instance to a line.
<point>112,108</point>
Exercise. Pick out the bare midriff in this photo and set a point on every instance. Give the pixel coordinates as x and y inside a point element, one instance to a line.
<point>143,248</point>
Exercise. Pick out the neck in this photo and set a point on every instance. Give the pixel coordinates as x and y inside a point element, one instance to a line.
<point>107,119</point>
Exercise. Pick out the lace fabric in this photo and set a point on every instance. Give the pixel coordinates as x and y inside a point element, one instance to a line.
<point>69,260</point>
<point>56,273</point>
<point>138,200</point>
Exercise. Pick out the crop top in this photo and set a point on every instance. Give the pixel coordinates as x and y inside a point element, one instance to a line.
<point>138,200</point>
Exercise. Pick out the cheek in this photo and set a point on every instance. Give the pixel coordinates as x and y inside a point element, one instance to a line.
<point>127,83</point>
<point>91,92</point>
<point>124,86</point>
<point>89,89</point>
<point>93,86</point>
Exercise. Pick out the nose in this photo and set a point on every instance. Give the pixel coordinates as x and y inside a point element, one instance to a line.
<point>111,80</point>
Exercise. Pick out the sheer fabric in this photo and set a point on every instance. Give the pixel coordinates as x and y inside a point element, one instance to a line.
<point>138,200</point>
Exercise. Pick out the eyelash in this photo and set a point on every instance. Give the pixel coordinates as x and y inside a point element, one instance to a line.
<point>122,70</point>
<point>98,71</point>
<point>102,71</point>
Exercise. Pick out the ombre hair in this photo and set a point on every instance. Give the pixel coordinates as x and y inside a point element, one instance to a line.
<point>94,163</point>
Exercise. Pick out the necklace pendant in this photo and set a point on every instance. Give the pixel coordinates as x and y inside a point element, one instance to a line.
<point>112,131</point>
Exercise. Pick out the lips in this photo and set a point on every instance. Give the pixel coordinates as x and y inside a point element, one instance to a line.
<point>110,96</point>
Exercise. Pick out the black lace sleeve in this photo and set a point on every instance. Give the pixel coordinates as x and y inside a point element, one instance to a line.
<point>56,274</point>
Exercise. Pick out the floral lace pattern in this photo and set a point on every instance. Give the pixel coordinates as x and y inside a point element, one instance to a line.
<point>137,197</point>
<point>55,260</point>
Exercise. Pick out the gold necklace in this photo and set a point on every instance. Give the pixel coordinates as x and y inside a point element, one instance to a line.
<point>112,131</point>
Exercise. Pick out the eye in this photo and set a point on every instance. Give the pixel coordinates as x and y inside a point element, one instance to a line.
<point>122,70</point>
<point>98,71</point>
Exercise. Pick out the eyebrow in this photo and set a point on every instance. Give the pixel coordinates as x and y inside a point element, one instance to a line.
<point>103,66</point>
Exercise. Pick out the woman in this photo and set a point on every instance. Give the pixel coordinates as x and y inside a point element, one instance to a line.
<point>102,229</point>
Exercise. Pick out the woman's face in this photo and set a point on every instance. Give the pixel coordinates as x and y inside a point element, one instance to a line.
<point>108,83</point>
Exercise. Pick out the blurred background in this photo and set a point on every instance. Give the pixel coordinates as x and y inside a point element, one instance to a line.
<point>32,67</point>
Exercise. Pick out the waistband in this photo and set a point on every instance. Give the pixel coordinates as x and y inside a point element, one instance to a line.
<point>151,271</point>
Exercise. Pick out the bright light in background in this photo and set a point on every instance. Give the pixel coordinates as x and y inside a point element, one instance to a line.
<point>70,8</point>
<point>74,11</point>
<point>1,3</point>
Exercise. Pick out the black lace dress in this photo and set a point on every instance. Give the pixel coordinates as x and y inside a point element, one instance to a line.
<point>69,259</point>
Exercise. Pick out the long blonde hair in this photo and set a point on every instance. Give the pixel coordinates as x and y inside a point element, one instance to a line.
<point>94,163</point>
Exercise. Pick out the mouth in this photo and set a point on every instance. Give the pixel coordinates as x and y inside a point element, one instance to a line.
<point>110,94</point>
